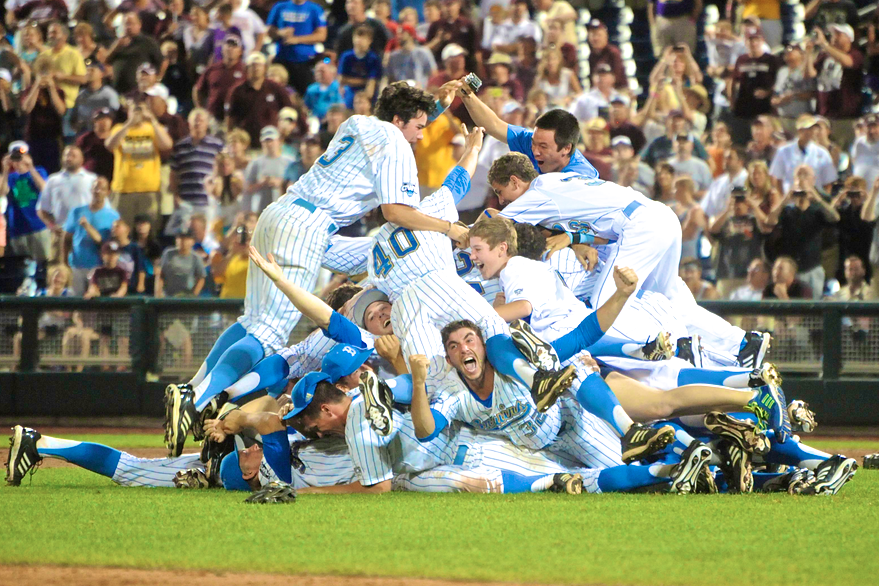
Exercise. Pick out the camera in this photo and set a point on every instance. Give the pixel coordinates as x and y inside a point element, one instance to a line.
<point>852,193</point>
<point>473,81</point>
<point>799,193</point>
<point>243,234</point>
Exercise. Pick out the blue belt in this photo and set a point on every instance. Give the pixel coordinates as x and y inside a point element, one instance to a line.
<point>631,208</point>
<point>459,457</point>
<point>311,208</point>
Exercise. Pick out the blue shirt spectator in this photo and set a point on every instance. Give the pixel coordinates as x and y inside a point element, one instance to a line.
<point>325,91</point>
<point>88,227</point>
<point>357,72</point>
<point>22,195</point>
<point>304,18</point>
<point>519,141</point>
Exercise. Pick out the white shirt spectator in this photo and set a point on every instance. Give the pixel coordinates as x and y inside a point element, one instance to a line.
<point>719,191</point>
<point>250,26</point>
<point>745,293</point>
<point>865,160</point>
<point>65,191</point>
<point>492,149</point>
<point>585,108</point>
<point>494,34</point>
<point>791,156</point>
<point>524,28</point>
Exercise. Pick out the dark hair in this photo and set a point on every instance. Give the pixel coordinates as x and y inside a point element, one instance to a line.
<point>402,100</point>
<point>364,30</point>
<point>565,126</point>
<point>691,261</point>
<point>453,327</point>
<point>741,152</point>
<point>341,295</point>
<point>324,392</point>
<point>530,240</point>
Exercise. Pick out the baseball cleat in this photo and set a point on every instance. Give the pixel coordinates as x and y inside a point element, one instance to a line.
<point>766,374</point>
<point>736,467</point>
<point>538,352</point>
<point>180,417</point>
<point>191,479</point>
<point>659,348</point>
<point>641,440</point>
<point>378,399</point>
<point>794,481</point>
<point>686,473</point>
<point>567,483</point>
<point>23,454</point>
<point>705,483</point>
<point>771,409</point>
<point>801,417</point>
<point>753,350</point>
<point>549,385</point>
<point>690,349</point>
<point>832,474</point>
<point>740,431</point>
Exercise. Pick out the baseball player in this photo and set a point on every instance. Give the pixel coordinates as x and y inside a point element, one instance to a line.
<point>369,163</point>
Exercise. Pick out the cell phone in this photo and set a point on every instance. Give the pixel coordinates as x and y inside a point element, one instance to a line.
<point>679,49</point>
<point>799,193</point>
<point>473,81</point>
<point>604,112</point>
<point>852,193</point>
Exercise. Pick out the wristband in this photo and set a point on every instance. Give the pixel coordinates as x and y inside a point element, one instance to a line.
<point>581,238</point>
<point>437,112</point>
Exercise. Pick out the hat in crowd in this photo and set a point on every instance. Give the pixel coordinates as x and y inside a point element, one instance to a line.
<point>410,30</point>
<point>158,90</point>
<point>288,113</point>
<point>621,99</point>
<point>793,45</point>
<point>5,75</point>
<point>303,392</point>
<point>256,58</point>
<point>595,23</point>
<point>343,360</point>
<point>596,125</point>
<point>603,68</point>
<point>364,300</point>
<point>872,119</point>
<point>683,136</point>
<point>269,133</point>
<point>17,148</point>
<point>94,63</point>
<point>146,68</point>
<point>498,58</point>
<point>805,122</point>
<point>621,141</point>
<point>511,107</point>
<point>844,29</point>
<point>233,40</point>
<point>702,94</point>
<point>458,140</point>
<point>452,50</point>
<point>103,113</point>
<point>110,247</point>
<point>754,32</point>
<point>188,233</point>
<point>823,121</point>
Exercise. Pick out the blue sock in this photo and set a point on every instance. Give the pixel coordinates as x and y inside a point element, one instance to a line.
<point>95,457</point>
<point>268,373</point>
<point>608,346</point>
<point>508,360</point>
<point>793,453</point>
<point>514,483</point>
<point>761,478</point>
<point>736,378</point>
<point>231,335</point>
<point>233,364</point>
<point>622,478</point>
<point>276,391</point>
<point>401,387</point>
<point>597,398</point>
<point>683,438</point>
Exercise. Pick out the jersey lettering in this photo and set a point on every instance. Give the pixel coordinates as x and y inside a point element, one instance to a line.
<point>463,264</point>
<point>589,181</point>
<point>409,246</point>
<point>381,260</point>
<point>344,144</point>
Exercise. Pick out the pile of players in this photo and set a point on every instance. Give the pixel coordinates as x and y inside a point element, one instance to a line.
<point>549,346</point>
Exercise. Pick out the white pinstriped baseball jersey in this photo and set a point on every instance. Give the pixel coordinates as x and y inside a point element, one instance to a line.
<point>488,288</point>
<point>347,255</point>
<point>154,472</point>
<point>579,281</point>
<point>368,163</point>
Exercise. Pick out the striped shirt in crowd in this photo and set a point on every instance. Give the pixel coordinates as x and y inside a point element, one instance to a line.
<point>193,163</point>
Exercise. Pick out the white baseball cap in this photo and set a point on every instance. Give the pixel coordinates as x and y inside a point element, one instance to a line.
<point>844,29</point>
<point>621,140</point>
<point>158,90</point>
<point>453,50</point>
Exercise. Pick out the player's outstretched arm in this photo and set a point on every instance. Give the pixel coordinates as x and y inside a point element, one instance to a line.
<point>626,281</point>
<point>310,305</point>
<point>353,488</point>
<point>237,421</point>
<point>483,115</point>
<point>422,418</point>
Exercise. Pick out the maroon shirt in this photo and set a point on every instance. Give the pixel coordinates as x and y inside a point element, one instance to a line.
<point>839,88</point>
<point>97,158</point>
<point>214,85</point>
<point>44,121</point>
<point>252,109</point>
<point>42,11</point>
<point>610,55</point>
<point>752,74</point>
<point>108,280</point>
<point>462,31</point>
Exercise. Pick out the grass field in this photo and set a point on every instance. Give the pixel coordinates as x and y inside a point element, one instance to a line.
<point>68,516</point>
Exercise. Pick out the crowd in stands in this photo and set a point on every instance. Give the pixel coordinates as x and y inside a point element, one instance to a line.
<point>142,140</point>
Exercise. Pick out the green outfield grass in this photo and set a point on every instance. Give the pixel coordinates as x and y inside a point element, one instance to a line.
<point>73,517</point>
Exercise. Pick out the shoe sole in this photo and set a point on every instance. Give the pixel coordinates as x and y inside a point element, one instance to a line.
<point>530,346</point>
<point>175,442</point>
<point>742,476</point>
<point>685,482</point>
<point>842,475</point>
<point>562,384</point>
<point>764,348</point>
<point>747,437</point>
<point>663,349</point>
<point>801,417</point>
<point>664,436</point>
<point>377,413</point>
<point>14,450</point>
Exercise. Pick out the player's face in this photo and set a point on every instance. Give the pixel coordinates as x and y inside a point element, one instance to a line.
<point>510,192</point>
<point>327,424</point>
<point>489,261</point>
<point>249,461</point>
<point>412,130</point>
<point>466,353</point>
<point>347,383</point>
<point>547,154</point>
<point>378,318</point>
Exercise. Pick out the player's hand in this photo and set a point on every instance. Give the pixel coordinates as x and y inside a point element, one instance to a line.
<point>625,279</point>
<point>271,268</point>
<point>446,93</point>
<point>585,359</point>
<point>556,243</point>
<point>388,347</point>
<point>499,300</point>
<point>460,234</point>
<point>215,429</point>
<point>587,256</point>
<point>473,140</point>
<point>418,364</point>
<point>283,400</point>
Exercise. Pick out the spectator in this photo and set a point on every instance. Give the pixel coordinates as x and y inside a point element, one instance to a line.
<point>857,287</point>
<point>297,26</point>
<point>855,233</point>
<point>761,146</point>
<point>621,124</point>
<point>362,105</point>
<point>250,26</point>
<point>500,67</point>
<point>824,13</point>
<point>21,184</point>
<point>554,39</point>
<point>663,148</point>
<point>410,61</point>
<point>205,243</point>
<point>68,65</point>
<point>865,152</point>
<point>494,28</point>
<point>839,72</point>
<point>627,169</point>
<point>263,179</point>
<point>690,215</point>
<point>213,86</point>
<point>356,10</point>
<point>86,228</point>
<point>432,14</point>
<point>752,83</point>
<point>136,146</point>
<point>525,64</point>
<point>720,143</point>
<point>96,157</point>
<point>739,240</point>
<point>146,77</point>
<point>691,273</point>
<point>45,107</point>
<point>673,22</point>
<point>181,272</point>
<point>724,48</point>
<point>761,186</point>
<point>558,82</point>
<point>91,14</point>
<point>109,279</point>
<point>798,228</point>
<point>664,183</point>
<point>178,76</point>
<point>601,52</point>
<point>237,142</point>
<point>149,252</point>
<point>192,161</point>
<point>325,91</point>
<point>174,21</point>
<point>198,40</point>
<point>255,103</point>
<point>130,51</point>
<point>454,28</point>
<point>229,265</point>
<point>31,43</point>
<point>734,175</point>
<point>360,69</point>
<point>454,67</point>
<point>382,11</point>
<point>68,189</point>
<point>597,147</point>
<point>561,12</point>
<point>596,101</point>
<point>757,280</point>
<point>147,10</point>
<point>821,137</point>
<point>518,25</point>
<point>41,12</point>
<point>225,185</point>
<point>785,284</point>
<point>129,256</point>
<point>94,96</point>
<point>223,28</point>
<point>287,126</point>
<point>685,163</point>
<point>695,106</point>
<point>794,90</point>
<point>84,39</point>
<point>799,152</point>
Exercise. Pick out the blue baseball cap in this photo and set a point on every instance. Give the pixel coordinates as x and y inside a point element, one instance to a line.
<point>303,392</point>
<point>343,360</point>
<point>230,473</point>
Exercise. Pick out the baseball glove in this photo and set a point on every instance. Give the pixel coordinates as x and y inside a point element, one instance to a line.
<point>273,493</point>
<point>191,479</point>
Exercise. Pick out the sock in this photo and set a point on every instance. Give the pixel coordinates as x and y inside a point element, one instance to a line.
<point>232,334</point>
<point>268,372</point>
<point>682,440</point>
<point>276,451</point>
<point>608,346</point>
<point>793,453</point>
<point>622,478</point>
<point>507,359</point>
<point>233,364</point>
<point>735,378</point>
<point>514,483</point>
<point>597,398</point>
<point>401,387</point>
<point>95,457</point>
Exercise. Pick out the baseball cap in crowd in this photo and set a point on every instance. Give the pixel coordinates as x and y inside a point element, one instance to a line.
<point>158,90</point>
<point>458,140</point>
<point>511,107</point>
<point>872,119</point>
<point>233,40</point>
<point>269,133</point>
<point>595,23</point>
<point>793,45</point>
<point>621,99</point>
<point>844,29</point>
<point>823,121</point>
<point>410,30</point>
<point>683,136</point>
<point>754,32</point>
<point>498,58</point>
<point>5,75</point>
<point>603,68</point>
<point>303,392</point>
<point>110,247</point>
<point>94,63</point>
<point>146,68</point>
<point>343,360</point>
<point>621,141</point>
<point>256,58</point>
<point>17,149</point>
<point>805,122</point>
<point>103,113</point>
<point>364,300</point>
<point>452,50</point>
<point>596,125</point>
<point>288,113</point>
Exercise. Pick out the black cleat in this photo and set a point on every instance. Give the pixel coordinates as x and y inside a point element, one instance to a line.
<point>642,440</point>
<point>754,349</point>
<point>736,466</point>
<point>740,431</point>
<point>549,385</point>
<point>685,474</point>
<point>659,348</point>
<point>801,417</point>
<point>23,454</point>
<point>705,483</point>
<point>567,483</point>
<point>690,349</point>
<point>766,374</point>
<point>538,352</point>
<point>833,473</point>
<point>378,400</point>
<point>180,417</point>
<point>794,481</point>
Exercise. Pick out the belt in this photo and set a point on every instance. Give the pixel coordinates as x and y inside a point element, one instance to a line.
<point>461,455</point>
<point>631,208</point>
<point>311,208</point>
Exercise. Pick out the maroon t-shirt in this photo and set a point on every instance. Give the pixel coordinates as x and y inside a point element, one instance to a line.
<point>610,55</point>
<point>44,121</point>
<point>754,73</point>
<point>839,88</point>
<point>215,84</point>
<point>96,157</point>
<point>253,109</point>
<point>108,280</point>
